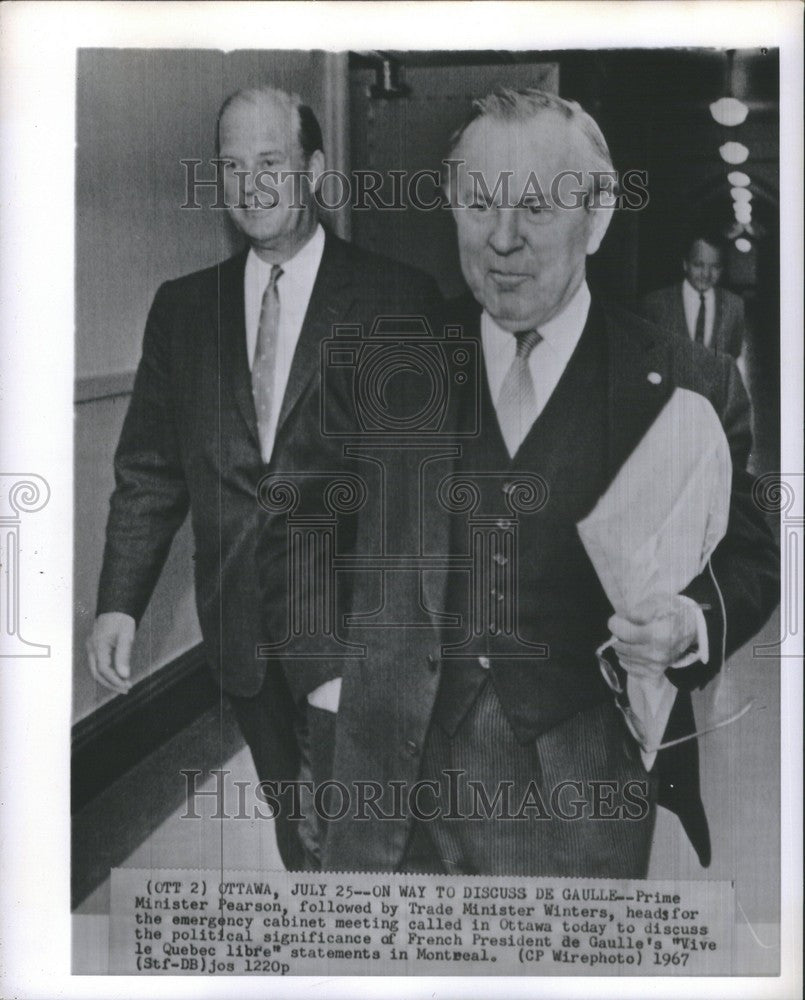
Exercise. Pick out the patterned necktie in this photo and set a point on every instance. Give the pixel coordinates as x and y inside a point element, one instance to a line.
<point>698,336</point>
<point>265,361</point>
<point>517,401</point>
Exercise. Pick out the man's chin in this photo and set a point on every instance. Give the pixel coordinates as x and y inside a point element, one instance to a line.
<point>253,226</point>
<point>507,318</point>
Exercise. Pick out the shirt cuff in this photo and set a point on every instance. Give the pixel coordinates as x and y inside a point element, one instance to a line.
<point>700,653</point>
<point>326,696</point>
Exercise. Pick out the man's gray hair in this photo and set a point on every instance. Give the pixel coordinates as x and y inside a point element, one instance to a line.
<point>309,130</point>
<point>508,104</point>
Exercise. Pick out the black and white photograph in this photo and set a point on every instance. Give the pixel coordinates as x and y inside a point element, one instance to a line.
<point>432,506</point>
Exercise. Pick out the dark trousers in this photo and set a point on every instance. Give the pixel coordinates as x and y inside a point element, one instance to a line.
<point>270,729</point>
<point>588,800</point>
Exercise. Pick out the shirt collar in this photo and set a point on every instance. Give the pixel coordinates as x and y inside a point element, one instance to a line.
<point>563,329</point>
<point>303,266</point>
<point>568,324</point>
<point>693,294</point>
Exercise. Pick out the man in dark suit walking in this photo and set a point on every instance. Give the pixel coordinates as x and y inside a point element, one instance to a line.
<point>228,388</point>
<point>698,308</point>
<point>510,730</point>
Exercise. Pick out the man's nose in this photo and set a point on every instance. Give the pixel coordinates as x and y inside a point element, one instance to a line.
<point>239,186</point>
<point>505,236</point>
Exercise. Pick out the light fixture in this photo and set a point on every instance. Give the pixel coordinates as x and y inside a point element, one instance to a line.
<point>735,230</point>
<point>743,213</point>
<point>729,111</point>
<point>743,245</point>
<point>389,83</point>
<point>738,179</point>
<point>741,195</point>
<point>733,152</point>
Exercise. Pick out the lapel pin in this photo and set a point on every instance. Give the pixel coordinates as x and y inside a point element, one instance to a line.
<point>655,378</point>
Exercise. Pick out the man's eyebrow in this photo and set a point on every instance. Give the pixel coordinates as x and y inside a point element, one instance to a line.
<point>264,152</point>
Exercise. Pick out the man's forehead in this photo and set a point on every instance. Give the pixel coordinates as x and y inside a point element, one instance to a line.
<point>701,250</point>
<point>546,140</point>
<point>251,121</point>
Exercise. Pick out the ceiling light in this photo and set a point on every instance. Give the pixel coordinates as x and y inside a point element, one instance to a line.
<point>733,152</point>
<point>743,213</point>
<point>743,245</point>
<point>738,179</point>
<point>741,195</point>
<point>729,111</point>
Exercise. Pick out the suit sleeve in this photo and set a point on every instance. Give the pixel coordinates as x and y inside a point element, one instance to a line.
<point>150,500</point>
<point>739,588</point>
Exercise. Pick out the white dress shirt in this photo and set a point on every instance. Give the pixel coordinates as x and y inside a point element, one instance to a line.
<point>294,288</point>
<point>691,302</point>
<point>549,358</point>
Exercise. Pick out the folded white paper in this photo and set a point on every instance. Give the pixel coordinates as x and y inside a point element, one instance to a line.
<point>656,526</point>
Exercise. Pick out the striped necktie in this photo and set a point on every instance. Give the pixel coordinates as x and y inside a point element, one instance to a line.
<point>265,362</point>
<point>517,401</point>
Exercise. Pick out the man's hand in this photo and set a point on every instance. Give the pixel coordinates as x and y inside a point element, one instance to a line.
<point>109,650</point>
<point>654,641</point>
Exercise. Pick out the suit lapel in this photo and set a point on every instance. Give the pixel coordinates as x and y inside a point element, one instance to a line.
<point>330,303</point>
<point>229,318</point>
<point>718,321</point>
<point>639,385</point>
<point>680,320</point>
<point>467,314</point>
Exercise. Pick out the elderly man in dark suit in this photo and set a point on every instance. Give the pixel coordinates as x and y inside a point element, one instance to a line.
<point>493,758</point>
<point>697,307</point>
<point>228,387</point>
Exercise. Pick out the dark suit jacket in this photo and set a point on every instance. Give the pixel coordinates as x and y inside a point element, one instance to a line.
<point>665,308</point>
<point>387,699</point>
<point>189,443</point>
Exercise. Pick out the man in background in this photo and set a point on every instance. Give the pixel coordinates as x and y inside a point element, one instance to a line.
<point>697,307</point>
<point>227,389</point>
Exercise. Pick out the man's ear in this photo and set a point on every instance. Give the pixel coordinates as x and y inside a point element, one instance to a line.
<point>600,218</point>
<point>316,166</point>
